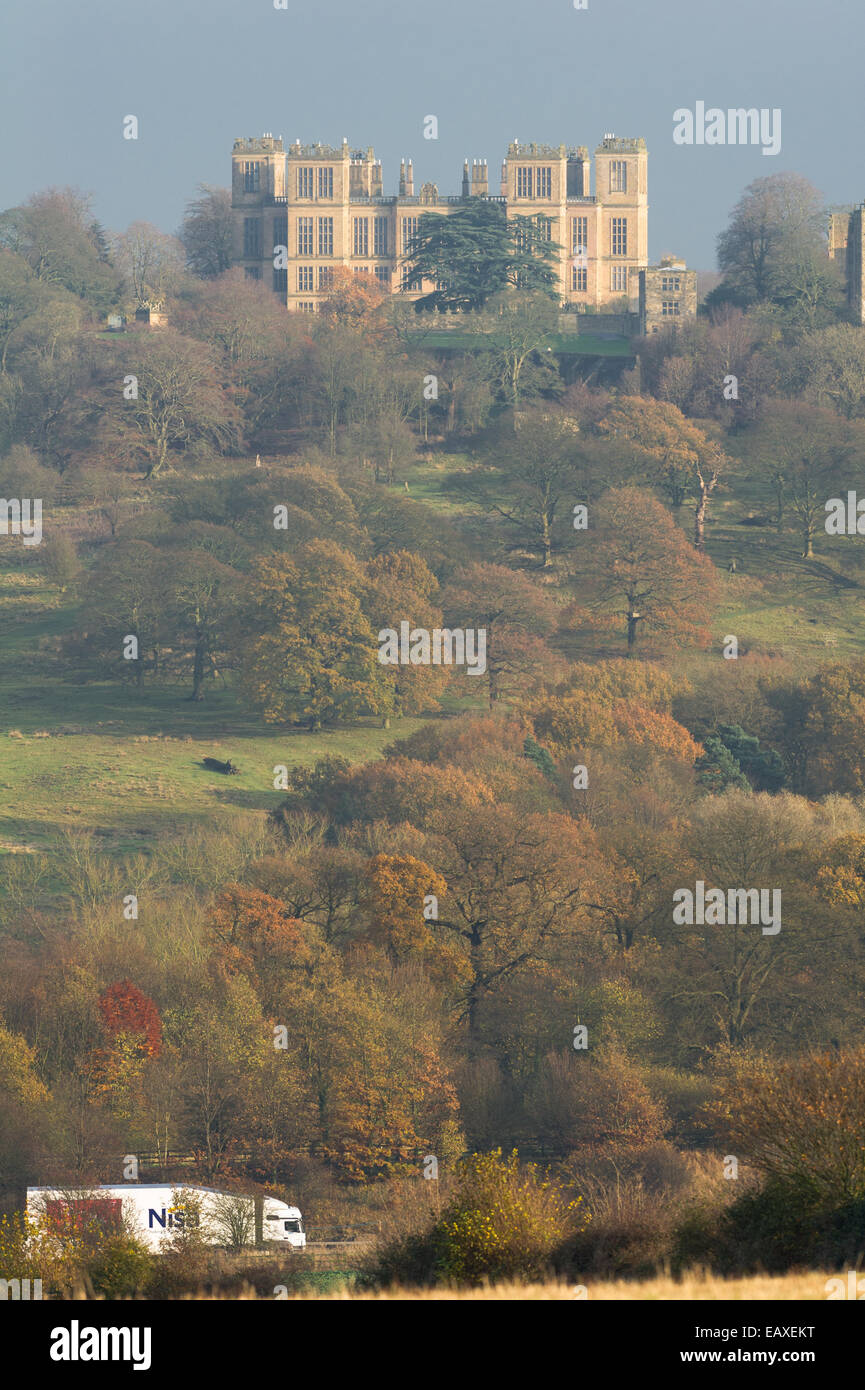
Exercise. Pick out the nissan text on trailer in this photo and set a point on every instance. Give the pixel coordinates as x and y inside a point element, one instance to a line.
<point>156,1212</point>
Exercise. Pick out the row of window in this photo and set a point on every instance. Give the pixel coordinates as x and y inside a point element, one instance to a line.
<point>306,276</point>
<point>383,273</point>
<point>536,181</point>
<point>379,236</point>
<point>311,182</point>
<point>533,181</point>
<point>307,239</point>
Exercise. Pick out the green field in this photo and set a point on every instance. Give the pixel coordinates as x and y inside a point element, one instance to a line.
<point>123,762</point>
<point>566,344</point>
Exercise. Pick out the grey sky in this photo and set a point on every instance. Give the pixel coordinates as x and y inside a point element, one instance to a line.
<point>199,72</point>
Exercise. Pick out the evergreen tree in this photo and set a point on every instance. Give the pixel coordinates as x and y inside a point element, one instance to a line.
<point>718,769</point>
<point>478,252</point>
<point>540,757</point>
<point>764,767</point>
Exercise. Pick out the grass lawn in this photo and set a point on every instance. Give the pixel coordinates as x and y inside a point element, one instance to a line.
<point>568,344</point>
<point>125,762</point>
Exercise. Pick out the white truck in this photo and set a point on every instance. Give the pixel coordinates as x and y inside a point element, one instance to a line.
<point>155,1212</point>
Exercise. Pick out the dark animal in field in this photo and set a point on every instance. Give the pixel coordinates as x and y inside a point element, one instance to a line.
<point>216,766</point>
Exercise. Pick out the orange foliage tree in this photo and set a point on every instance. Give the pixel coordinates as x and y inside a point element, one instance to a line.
<point>637,561</point>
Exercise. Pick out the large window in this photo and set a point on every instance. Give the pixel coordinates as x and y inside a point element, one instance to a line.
<point>544,182</point>
<point>669,308</point>
<point>545,228</point>
<point>306,306</point>
<point>325,236</point>
<point>579,278</point>
<point>325,277</point>
<point>579,235</point>
<point>280,281</point>
<point>379,236</point>
<point>525,181</point>
<point>304,183</point>
<point>670,284</point>
<point>619,279</point>
<point>251,237</point>
<point>325,183</point>
<point>361,236</point>
<point>253,272</point>
<point>304,278</point>
<point>280,231</point>
<point>409,232</point>
<point>619,236</point>
<point>618,176</point>
<point>252,176</point>
<point>304,236</point>
<point>383,274</point>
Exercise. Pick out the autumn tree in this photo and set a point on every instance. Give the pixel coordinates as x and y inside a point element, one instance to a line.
<point>803,1120</point>
<point>821,723</point>
<point>815,452</point>
<point>514,612</point>
<point>600,1103</point>
<point>203,595</point>
<point>397,907</point>
<point>683,460</point>
<point>179,400</point>
<point>356,301</point>
<point>734,977</point>
<point>133,1032</point>
<point>637,560</point>
<point>533,477</point>
<point>404,589</point>
<point>127,594</point>
<point>309,651</point>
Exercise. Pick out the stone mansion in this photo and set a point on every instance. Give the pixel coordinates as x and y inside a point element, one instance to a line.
<point>302,210</point>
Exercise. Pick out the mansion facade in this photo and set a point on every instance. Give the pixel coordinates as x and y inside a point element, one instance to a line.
<point>300,211</point>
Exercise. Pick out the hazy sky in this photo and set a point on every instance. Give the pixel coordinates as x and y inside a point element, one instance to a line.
<point>197,73</point>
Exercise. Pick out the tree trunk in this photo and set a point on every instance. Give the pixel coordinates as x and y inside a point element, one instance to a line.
<point>700,519</point>
<point>198,668</point>
<point>808,536</point>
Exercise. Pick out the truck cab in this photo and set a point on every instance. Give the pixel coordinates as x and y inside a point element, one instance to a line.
<point>283,1223</point>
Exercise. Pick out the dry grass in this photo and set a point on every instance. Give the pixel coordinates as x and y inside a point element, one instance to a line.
<point>807,1287</point>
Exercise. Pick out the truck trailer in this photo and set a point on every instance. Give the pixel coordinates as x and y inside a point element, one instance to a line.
<point>156,1212</point>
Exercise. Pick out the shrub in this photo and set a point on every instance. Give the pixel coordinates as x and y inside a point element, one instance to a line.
<point>801,1122</point>
<point>121,1268</point>
<point>504,1222</point>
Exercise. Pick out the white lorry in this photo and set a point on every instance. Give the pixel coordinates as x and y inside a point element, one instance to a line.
<point>155,1212</point>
